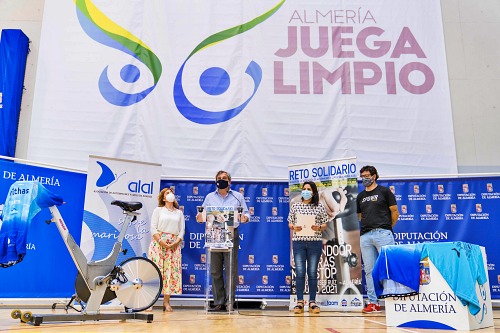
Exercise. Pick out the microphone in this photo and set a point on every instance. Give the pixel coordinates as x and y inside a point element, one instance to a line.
<point>239,202</point>
<point>239,209</point>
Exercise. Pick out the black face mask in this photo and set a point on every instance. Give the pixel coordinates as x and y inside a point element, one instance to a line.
<point>222,184</point>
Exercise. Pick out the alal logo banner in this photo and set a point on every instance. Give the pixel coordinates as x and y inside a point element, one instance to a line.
<point>115,179</point>
<point>250,73</point>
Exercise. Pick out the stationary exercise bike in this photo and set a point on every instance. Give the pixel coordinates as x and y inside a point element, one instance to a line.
<point>136,282</point>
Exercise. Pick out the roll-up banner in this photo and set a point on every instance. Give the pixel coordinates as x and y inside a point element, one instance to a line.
<point>116,179</point>
<point>339,271</point>
<point>47,270</point>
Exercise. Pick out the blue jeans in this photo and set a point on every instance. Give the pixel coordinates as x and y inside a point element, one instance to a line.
<point>307,252</point>
<point>371,242</point>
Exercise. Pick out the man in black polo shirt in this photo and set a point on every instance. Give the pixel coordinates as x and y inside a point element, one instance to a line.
<point>378,213</point>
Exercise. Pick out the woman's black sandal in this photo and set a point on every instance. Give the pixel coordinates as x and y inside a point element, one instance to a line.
<point>299,308</point>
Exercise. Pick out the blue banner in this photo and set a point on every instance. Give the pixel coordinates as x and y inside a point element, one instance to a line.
<point>264,256</point>
<point>451,209</point>
<point>432,210</point>
<point>13,52</point>
<point>47,269</point>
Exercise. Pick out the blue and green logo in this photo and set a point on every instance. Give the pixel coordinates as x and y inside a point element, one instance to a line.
<point>103,30</point>
<point>216,80</point>
<point>213,81</point>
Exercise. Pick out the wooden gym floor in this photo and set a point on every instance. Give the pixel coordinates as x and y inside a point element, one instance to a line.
<point>271,320</point>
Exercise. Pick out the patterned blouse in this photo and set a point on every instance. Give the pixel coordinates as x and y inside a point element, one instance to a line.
<point>307,209</point>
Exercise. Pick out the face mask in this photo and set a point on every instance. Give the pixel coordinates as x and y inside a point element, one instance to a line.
<point>222,184</point>
<point>367,181</point>
<point>170,197</point>
<point>306,194</point>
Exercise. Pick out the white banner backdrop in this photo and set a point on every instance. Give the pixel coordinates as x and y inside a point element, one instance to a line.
<point>111,179</point>
<point>250,87</point>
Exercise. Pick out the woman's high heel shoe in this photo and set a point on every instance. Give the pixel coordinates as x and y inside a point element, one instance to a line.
<point>299,308</point>
<point>314,308</point>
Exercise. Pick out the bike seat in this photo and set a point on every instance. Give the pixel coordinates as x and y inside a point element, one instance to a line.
<point>127,206</point>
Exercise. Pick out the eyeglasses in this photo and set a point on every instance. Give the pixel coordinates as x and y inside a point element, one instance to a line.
<point>366,175</point>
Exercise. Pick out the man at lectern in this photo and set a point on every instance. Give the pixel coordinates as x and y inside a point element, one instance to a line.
<point>224,196</point>
<point>378,213</point>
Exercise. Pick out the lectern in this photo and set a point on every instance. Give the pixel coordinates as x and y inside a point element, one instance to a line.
<point>219,234</point>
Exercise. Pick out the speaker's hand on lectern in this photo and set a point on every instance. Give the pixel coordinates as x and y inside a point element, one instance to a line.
<point>199,218</point>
